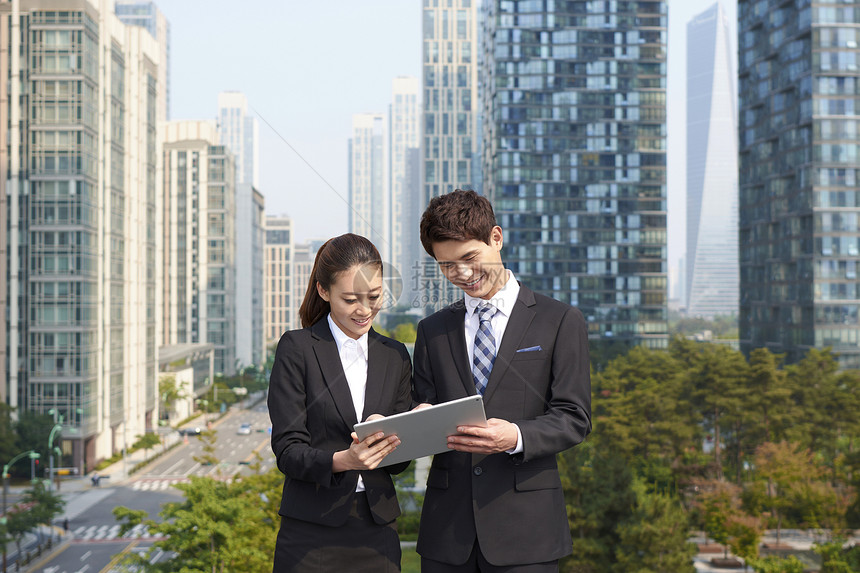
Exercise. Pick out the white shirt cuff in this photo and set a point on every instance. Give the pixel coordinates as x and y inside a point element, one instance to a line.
<point>519,447</point>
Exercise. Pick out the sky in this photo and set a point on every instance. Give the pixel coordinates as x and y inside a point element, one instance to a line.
<point>307,67</point>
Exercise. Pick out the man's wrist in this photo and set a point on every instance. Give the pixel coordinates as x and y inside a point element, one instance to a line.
<point>519,445</point>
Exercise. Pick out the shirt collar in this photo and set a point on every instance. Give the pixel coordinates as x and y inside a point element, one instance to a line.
<point>341,338</point>
<point>503,300</point>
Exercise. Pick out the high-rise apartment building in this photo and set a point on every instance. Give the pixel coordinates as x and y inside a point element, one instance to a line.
<point>248,296</point>
<point>198,264</point>
<point>712,274</point>
<point>404,135</point>
<point>799,177</point>
<point>368,204</point>
<point>450,134</point>
<point>303,264</point>
<point>78,135</point>
<point>147,15</point>
<point>279,312</point>
<point>574,123</point>
<point>239,133</point>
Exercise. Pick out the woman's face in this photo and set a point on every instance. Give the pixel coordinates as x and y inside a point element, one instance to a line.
<point>355,298</point>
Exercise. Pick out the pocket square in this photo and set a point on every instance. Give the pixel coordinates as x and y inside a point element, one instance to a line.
<point>530,349</point>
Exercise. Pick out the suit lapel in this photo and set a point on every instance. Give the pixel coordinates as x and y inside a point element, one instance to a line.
<point>518,323</point>
<point>325,350</point>
<point>457,340</point>
<point>377,366</point>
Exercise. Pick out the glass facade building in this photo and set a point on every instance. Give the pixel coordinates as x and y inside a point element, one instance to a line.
<point>146,15</point>
<point>368,204</point>
<point>80,167</point>
<point>198,255</point>
<point>280,312</point>
<point>712,275</point>
<point>574,121</point>
<point>450,134</point>
<point>239,133</point>
<point>799,196</point>
<point>403,136</point>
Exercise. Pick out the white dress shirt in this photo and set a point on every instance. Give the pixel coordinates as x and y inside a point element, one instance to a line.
<point>353,358</point>
<point>504,301</point>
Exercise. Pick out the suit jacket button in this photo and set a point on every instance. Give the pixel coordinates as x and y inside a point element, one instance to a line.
<point>478,470</point>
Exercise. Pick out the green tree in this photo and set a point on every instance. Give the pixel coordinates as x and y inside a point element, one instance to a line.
<point>719,504</point>
<point>46,505</point>
<point>18,523</point>
<point>33,430</point>
<point>639,410</point>
<point>769,395</point>
<point>767,412</point>
<point>819,504</point>
<point>775,564</point>
<point>219,527</point>
<point>716,381</point>
<point>405,332</point>
<point>38,506</point>
<point>654,539</point>
<point>815,385</point>
<point>147,441</point>
<point>598,494</point>
<point>382,331</point>
<point>783,467</point>
<point>208,458</point>
<point>745,533</point>
<point>170,392</point>
<point>833,558</point>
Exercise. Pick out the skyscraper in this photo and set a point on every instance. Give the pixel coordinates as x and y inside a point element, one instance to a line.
<point>198,218</point>
<point>279,309</point>
<point>248,296</point>
<point>712,274</point>
<point>368,204</point>
<point>574,121</point>
<point>147,15</point>
<point>799,197</point>
<point>239,133</point>
<point>450,137</point>
<point>403,136</point>
<point>81,218</point>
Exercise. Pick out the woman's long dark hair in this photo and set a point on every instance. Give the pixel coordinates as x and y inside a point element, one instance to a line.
<point>335,256</point>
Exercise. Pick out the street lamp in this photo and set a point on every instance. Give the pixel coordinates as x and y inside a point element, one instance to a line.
<point>58,427</point>
<point>33,457</point>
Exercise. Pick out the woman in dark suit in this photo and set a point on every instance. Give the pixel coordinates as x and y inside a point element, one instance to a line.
<point>338,507</point>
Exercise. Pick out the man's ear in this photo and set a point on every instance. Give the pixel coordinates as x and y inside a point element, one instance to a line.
<point>322,292</point>
<point>497,237</point>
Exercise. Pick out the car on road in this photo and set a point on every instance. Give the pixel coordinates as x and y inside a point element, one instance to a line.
<point>244,429</point>
<point>192,431</point>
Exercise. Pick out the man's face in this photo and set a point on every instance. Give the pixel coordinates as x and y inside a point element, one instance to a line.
<point>473,265</point>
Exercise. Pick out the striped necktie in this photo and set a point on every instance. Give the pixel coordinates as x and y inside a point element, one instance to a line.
<point>485,348</point>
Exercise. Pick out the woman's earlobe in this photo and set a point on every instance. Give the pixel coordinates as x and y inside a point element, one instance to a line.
<point>323,294</point>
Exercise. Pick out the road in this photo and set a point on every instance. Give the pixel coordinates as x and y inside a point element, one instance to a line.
<point>97,546</point>
<point>230,450</point>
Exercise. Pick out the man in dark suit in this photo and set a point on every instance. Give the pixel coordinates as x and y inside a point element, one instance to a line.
<point>495,503</point>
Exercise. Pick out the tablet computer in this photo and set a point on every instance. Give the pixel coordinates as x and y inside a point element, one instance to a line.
<point>425,432</point>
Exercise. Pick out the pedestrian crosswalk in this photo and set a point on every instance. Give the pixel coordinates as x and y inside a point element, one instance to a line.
<point>156,484</point>
<point>163,484</point>
<point>109,532</point>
